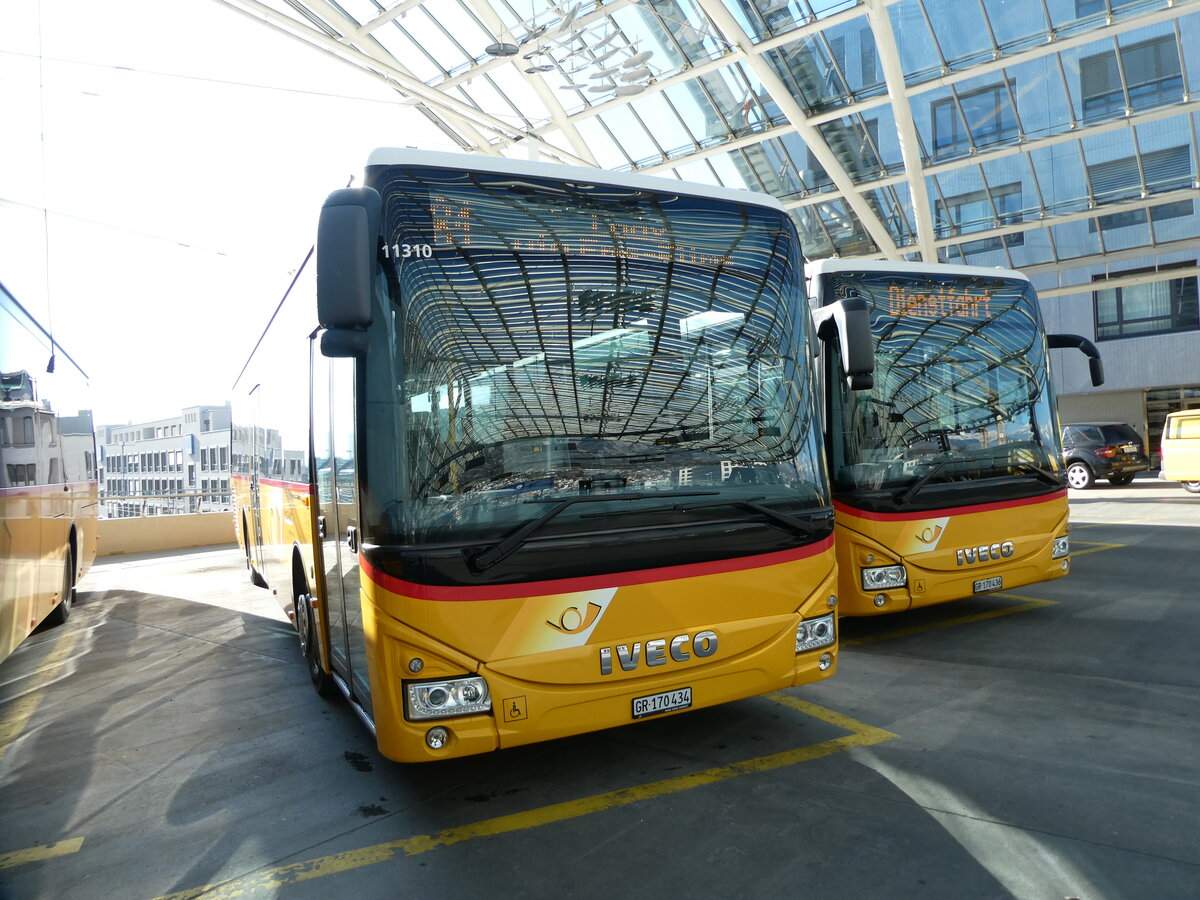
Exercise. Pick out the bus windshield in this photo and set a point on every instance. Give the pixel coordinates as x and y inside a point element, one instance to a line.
<point>641,355</point>
<point>961,399</point>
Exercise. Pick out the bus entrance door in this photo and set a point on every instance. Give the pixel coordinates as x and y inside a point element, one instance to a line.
<point>337,484</point>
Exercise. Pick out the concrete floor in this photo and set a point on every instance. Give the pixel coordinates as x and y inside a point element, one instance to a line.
<point>1043,744</point>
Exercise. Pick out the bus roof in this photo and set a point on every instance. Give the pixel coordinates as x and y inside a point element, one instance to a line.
<point>407,156</point>
<point>821,266</point>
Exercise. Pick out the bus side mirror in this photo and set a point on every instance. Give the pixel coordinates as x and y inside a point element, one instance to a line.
<point>1086,347</point>
<point>347,252</point>
<point>849,322</point>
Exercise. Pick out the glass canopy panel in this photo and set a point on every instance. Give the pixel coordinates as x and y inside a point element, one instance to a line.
<point>1061,177</point>
<point>808,70</point>
<point>1016,24</point>
<point>845,230</point>
<point>629,132</point>
<point>854,141</point>
<point>679,33</point>
<point>963,36</point>
<point>893,213</point>
<point>446,37</point>
<point>1071,17</point>
<point>815,241</point>
<point>408,53</point>
<point>919,54</point>
<point>855,71</point>
<point>1035,248</point>
<point>1043,106</point>
<point>601,143</point>
<point>1075,239</point>
<point>774,168</point>
<point>763,19</point>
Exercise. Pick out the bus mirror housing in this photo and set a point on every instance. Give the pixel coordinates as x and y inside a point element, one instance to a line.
<point>347,253</point>
<point>848,321</point>
<point>1078,342</point>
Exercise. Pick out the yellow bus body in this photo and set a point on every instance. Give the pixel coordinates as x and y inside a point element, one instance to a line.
<point>949,554</point>
<point>1181,448</point>
<point>538,645</point>
<point>41,527</point>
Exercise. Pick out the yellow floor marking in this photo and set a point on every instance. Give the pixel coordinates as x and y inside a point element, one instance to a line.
<point>36,854</point>
<point>1027,603</point>
<point>17,712</point>
<point>1095,546</point>
<point>262,883</point>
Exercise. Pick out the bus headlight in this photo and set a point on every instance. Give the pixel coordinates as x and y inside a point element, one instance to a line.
<point>450,697</point>
<point>1062,547</point>
<point>880,578</point>
<point>814,633</point>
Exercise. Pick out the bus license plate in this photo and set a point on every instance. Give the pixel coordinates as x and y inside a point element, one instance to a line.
<point>988,584</point>
<point>667,701</point>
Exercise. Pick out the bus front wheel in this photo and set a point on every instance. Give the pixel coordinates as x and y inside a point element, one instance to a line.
<point>309,647</point>
<point>60,613</point>
<point>1193,486</point>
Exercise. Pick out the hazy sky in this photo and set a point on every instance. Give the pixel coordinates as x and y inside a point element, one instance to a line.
<point>182,152</point>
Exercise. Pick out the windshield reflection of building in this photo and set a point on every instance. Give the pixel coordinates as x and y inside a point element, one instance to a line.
<point>37,445</point>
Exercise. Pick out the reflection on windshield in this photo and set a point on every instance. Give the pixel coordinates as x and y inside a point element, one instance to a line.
<point>961,388</point>
<point>611,342</point>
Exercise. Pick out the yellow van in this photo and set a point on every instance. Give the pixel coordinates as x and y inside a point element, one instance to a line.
<point>1181,449</point>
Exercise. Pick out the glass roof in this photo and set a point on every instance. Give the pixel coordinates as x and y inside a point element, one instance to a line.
<point>1034,134</point>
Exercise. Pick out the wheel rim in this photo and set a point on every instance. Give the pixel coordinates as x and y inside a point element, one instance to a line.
<point>302,622</point>
<point>68,597</point>
<point>1077,476</point>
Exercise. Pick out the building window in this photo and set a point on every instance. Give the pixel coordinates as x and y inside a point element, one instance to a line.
<point>1124,179</point>
<point>976,119</point>
<point>1153,77</point>
<point>1129,217</point>
<point>978,211</point>
<point>1159,307</point>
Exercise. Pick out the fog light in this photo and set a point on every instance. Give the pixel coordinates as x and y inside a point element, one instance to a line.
<point>881,578</point>
<point>825,661</point>
<point>1062,547</point>
<point>812,634</point>
<point>448,697</point>
<point>437,738</point>
<point>880,599</point>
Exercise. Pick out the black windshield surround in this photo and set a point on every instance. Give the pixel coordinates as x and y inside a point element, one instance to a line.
<point>557,345</point>
<point>962,408</point>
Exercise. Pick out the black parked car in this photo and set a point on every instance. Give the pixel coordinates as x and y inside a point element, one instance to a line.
<point>1109,450</point>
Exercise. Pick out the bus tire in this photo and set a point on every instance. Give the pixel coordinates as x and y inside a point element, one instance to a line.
<point>1079,476</point>
<point>1193,486</point>
<point>62,611</point>
<point>322,681</point>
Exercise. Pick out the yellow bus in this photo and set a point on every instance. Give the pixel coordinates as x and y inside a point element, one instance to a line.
<point>543,456</point>
<point>1180,449</point>
<point>947,475</point>
<point>48,486</point>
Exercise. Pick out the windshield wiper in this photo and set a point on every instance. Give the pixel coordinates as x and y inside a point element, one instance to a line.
<point>485,559</point>
<point>800,527</point>
<point>915,487</point>
<point>1046,475</point>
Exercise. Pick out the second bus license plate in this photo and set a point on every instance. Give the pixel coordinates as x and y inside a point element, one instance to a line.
<point>989,584</point>
<point>667,701</point>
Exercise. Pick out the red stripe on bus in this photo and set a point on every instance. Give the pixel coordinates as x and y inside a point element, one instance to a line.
<point>947,510</point>
<point>444,593</point>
